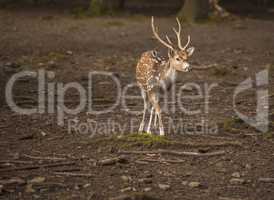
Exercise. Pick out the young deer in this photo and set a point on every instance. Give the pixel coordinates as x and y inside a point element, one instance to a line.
<point>154,73</point>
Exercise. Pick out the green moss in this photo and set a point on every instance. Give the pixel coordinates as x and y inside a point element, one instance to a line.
<point>268,136</point>
<point>232,124</point>
<point>56,56</point>
<point>144,139</point>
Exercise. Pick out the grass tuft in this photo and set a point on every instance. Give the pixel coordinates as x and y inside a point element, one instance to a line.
<point>232,124</point>
<point>268,136</point>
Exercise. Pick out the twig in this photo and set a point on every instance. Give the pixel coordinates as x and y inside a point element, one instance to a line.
<point>111,161</point>
<point>27,137</point>
<point>228,198</point>
<point>56,137</point>
<point>73,174</point>
<point>268,96</point>
<point>266,180</point>
<point>16,161</point>
<point>161,160</point>
<point>69,170</point>
<point>178,153</point>
<point>75,158</point>
<point>45,184</point>
<point>3,127</point>
<point>38,166</point>
<point>141,162</point>
<point>44,158</point>
<point>216,144</point>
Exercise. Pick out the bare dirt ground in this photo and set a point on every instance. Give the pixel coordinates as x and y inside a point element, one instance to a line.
<point>41,160</point>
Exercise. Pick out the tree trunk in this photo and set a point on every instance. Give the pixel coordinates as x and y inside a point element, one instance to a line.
<point>194,10</point>
<point>100,7</point>
<point>2,87</point>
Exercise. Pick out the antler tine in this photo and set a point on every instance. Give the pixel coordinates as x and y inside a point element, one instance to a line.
<point>178,34</point>
<point>155,32</point>
<point>188,41</point>
<point>169,41</point>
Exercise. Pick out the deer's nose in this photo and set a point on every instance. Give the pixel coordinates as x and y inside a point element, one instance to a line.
<point>186,67</point>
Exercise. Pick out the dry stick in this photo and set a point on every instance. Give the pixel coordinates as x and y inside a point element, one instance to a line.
<point>68,170</point>
<point>38,166</point>
<point>44,158</point>
<point>111,161</point>
<point>228,198</point>
<point>162,160</point>
<point>266,180</point>
<point>16,161</point>
<point>178,153</point>
<point>73,174</point>
<point>268,96</point>
<point>58,158</point>
<point>216,144</point>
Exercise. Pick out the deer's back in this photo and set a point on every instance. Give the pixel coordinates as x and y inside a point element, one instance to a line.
<point>147,70</point>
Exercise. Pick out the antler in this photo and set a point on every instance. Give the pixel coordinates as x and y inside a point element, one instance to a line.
<point>155,32</point>
<point>169,41</point>
<point>178,34</point>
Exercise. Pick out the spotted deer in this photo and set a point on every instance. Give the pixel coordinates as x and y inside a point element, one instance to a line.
<point>154,73</point>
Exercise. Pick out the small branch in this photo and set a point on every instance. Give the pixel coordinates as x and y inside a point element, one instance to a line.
<point>268,96</point>
<point>27,137</point>
<point>111,161</point>
<point>38,167</point>
<point>44,158</point>
<point>215,144</point>
<point>162,160</point>
<point>16,161</point>
<point>72,174</point>
<point>228,198</point>
<point>266,180</point>
<point>3,127</point>
<point>178,153</point>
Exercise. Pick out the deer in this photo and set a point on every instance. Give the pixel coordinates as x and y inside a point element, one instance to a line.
<point>154,73</point>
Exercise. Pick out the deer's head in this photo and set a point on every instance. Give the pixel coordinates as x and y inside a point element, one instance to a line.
<point>177,56</point>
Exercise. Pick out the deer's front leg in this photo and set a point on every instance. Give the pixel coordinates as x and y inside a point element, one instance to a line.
<point>150,119</point>
<point>142,125</point>
<point>161,126</point>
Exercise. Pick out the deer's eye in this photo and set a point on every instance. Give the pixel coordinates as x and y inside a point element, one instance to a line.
<point>178,59</point>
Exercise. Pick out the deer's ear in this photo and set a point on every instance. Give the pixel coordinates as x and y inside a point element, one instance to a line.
<point>190,51</point>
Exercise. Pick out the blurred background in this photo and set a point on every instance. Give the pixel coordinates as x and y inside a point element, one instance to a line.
<point>160,7</point>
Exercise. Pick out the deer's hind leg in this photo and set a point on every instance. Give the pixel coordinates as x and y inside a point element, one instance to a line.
<point>155,103</point>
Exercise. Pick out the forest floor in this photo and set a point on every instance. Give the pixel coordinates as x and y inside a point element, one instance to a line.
<point>210,154</point>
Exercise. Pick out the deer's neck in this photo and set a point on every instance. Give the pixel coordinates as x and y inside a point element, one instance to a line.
<point>168,74</point>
